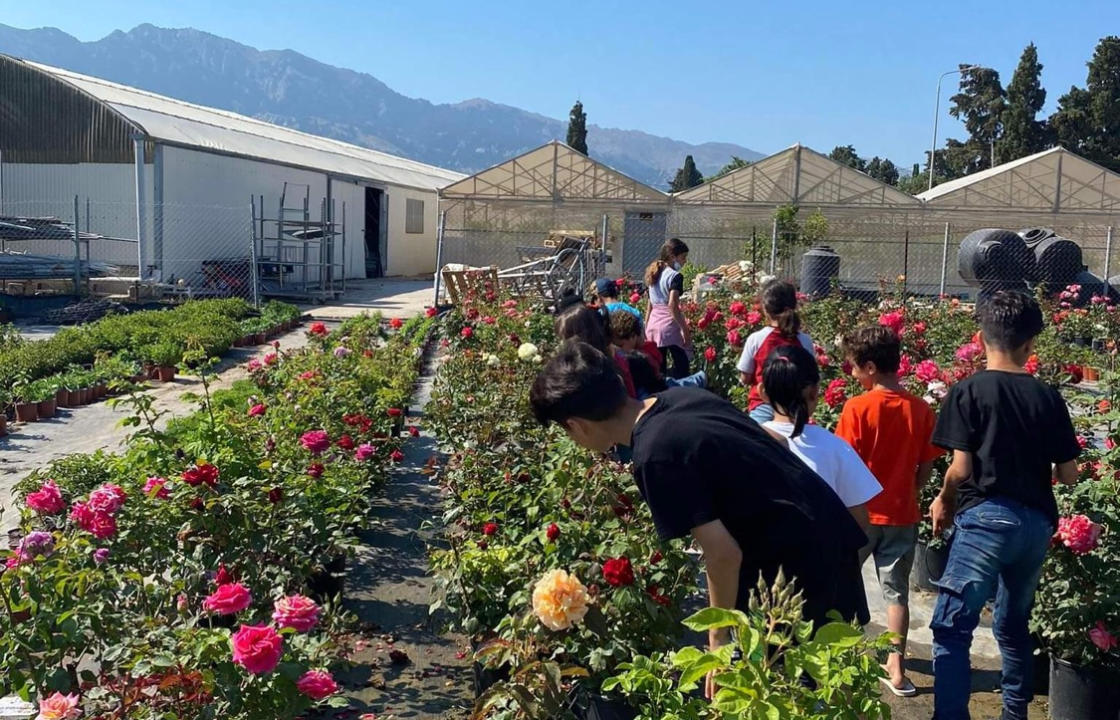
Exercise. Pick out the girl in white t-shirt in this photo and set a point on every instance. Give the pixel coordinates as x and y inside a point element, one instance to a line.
<point>791,384</point>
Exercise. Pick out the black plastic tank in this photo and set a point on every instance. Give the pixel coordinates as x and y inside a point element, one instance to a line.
<point>1114,288</point>
<point>820,266</point>
<point>1059,261</point>
<point>995,259</point>
<point>1035,235</point>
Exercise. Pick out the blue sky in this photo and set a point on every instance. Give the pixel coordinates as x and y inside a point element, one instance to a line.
<point>764,75</point>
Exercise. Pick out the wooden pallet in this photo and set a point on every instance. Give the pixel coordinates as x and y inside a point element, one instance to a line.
<point>460,283</point>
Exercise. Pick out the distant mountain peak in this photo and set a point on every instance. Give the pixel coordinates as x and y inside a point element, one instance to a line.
<point>291,89</point>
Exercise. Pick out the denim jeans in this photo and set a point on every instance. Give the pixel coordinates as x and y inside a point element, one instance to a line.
<point>999,542</point>
<point>696,379</point>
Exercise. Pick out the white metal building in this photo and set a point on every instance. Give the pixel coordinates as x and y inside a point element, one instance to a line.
<point>180,177</point>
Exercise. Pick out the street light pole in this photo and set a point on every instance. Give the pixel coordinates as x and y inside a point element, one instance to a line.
<point>937,111</point>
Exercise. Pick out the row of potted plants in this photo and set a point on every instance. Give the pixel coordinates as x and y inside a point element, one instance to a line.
<point>194,574</point>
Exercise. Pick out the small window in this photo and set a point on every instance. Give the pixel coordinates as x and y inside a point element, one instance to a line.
<point>414,216</point>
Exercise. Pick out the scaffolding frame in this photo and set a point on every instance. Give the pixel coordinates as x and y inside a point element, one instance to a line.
<point>296,256</point>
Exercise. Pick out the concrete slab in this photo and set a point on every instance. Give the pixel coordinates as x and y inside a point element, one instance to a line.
<point>393,297</point>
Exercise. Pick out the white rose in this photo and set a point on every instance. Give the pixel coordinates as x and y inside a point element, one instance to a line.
<point>929,399</point>
<point>527,351</point>
<point>538,359</point>
<point>493,360</point>
<point>763,279</point>
<point>745,265</point>
<point>938,389</point>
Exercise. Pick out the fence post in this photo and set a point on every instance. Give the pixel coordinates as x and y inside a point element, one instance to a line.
<point>253,278</point>
<point>773,246</point>
<point>905,261</point>
<point>439,254</point>
<point>944,260</point>
<point>141,199</point>
<point>1107,259</point>
<point>601,265</point>
<point>77,251</point>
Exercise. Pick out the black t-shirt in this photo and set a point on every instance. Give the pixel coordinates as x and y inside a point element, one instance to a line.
<point>1016,428</point>
<point>698,458</point>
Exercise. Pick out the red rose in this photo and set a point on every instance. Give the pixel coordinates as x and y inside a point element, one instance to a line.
<point>396,456</point>
<point>413,431</point>
<point>655,557</point>
<point>204,473</point>
<point>618,572</point>
<point>466,332</point>
<point>734,339</point>
<point>257,648</point>
<point>257,410</point>
<point>489,528</point>
<point>396,323</point>
<point>318,328</point>
<point>394,412</point>
<point>710,354</point>
<point>275,495</point>
<point>431,312</point>
<point>223,576</point>
<point>346,442</point>
<point>1104,406</point>
<point>317,684</point>
<point>228,599</point>
<point>657,596</point>
<point>315,470</point>
<point>635,298</point>
<point>1075,374</point>
<point>552,532</point>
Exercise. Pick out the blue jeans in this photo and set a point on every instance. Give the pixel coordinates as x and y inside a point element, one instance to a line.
<point>998,542</point>
<point>696,379</point>
<point>762,414</point>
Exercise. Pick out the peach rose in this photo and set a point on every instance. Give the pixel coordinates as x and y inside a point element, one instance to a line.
<point>59,707</point>
<point>559,600</point>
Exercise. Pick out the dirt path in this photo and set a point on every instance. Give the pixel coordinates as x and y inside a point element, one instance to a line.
<point>95,427</point>
<point>389,589</point>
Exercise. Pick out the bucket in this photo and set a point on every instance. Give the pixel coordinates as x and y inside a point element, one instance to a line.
<point>929,565</point>
<point>1083,693</point>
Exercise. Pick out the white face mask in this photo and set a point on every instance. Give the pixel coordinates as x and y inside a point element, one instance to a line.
<point>676,266</point>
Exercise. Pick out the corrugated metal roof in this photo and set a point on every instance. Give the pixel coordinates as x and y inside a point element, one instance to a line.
<point>176,122</point>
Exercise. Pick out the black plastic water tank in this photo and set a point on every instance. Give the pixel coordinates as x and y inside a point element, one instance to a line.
<point>1059,260</point>
<point>819,267</point>
<point>995,258</point>
<point>1114,288</point>
<point>1035,235</point>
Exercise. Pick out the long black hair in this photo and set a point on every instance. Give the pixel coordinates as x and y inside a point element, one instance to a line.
<point>779,300</point>
<point>788,370</point>
<point>586,325</point>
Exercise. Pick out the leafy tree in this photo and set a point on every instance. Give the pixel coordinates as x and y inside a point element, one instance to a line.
<point>735,163</point>
<point>1022,134</point>
<point>915,183</point>
<point>980,104</point>
<point>846,155</point>
<point>577,128</point>
<point>815,228</point>
<point>687,176</point>
<point>1088,120</point>
<point>882,170</point>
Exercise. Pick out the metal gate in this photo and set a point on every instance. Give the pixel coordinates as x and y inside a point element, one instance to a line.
<point>643,234</point>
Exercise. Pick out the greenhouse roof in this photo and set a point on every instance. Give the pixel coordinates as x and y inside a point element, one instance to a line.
<point>553,171</point>
<point>1055,180</point>
<point>800,176</point>
<point>184,124</point>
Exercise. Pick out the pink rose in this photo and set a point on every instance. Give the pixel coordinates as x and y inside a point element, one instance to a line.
<point>315,441</point>
<point>893,320</point>
<point>257,410</point>
<point>254,365</point>
<point>157,485</point>
<point>257,648</point>
<point>1078,533</point>
<point>754,317</point>
<point>108,498</point>
<point>466,332</point>
<point>364,452</point>
<point>228,599</point>
<point>296,612</point>
<point>737,308</point>
<point>835,394</point>
<point>47,500</point>
<point>710,354</point>
<point>98,523</point>
<point>969,352</point>
<point>1102,638</point>
<point>315,470</point>
<point>927,371</point>
<point>317,684</point>
<point>734,339</point>
<point>59,707</point>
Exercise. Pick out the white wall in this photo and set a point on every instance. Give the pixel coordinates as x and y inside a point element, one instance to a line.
<point>354,197</point>
<point>411,254</point>
<point>37,190</point>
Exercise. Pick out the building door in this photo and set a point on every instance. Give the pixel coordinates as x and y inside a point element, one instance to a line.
<point>643,234</point>
<point>374,231</point>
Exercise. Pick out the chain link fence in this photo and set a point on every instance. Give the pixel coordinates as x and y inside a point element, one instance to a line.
<point>917,249</point>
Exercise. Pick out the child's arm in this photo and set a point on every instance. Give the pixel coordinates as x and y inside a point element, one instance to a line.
<point>944,507</point>
<point>1066,473</point>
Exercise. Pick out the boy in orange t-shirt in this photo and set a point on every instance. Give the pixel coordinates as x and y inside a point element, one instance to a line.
<point>891,430</point>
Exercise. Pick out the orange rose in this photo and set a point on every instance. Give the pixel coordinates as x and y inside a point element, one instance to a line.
<point>559,600</point>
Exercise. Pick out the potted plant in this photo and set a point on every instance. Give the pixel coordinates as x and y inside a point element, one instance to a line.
<point>5,401</point>
<point>26,407</point>
<point>1077,609</point>
<point>166,356</point>
<point>931,553</point>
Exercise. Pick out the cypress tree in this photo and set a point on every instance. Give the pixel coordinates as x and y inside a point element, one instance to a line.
<point>577,128</point>
<point>1022,134</point>
<point>688,176</point>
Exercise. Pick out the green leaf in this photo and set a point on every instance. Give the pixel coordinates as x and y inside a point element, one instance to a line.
<point>839,634</point>
<point>713,617</point>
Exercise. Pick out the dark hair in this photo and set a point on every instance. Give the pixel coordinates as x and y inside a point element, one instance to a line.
<point>647,381</point>
<point>788,370</point>
<point>877,344</point>
<point>672,248</point>
<point>586,325</point>
<point>625,325</point>
<point>779,300</point>
<point>568,297</point>
<point>1009,319</point>
<point>578,381</point>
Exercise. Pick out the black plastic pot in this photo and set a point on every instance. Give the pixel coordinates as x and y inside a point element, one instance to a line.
<point>1083,693</point>
<point>929,564</point>
<point>601,708</point>
<point>330,581</point>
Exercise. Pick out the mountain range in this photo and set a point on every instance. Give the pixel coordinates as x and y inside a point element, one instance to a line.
<point>290,89</point>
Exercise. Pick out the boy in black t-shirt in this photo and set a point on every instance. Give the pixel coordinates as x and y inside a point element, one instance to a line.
<point>1009,434</point>
<point>708,470</point>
